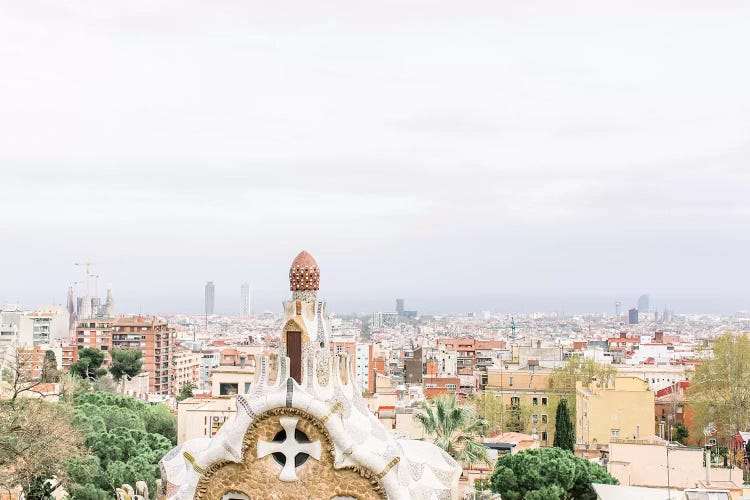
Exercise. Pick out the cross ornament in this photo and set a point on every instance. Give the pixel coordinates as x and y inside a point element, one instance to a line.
<point>290,448</point>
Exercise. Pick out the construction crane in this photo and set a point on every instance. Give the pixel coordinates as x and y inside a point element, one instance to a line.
<point>87,275</point>
<point>86,272</point>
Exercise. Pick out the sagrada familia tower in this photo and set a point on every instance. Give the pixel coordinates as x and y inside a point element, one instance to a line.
<point>304,431</point>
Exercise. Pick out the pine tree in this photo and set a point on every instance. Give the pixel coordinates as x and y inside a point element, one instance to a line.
<point>564,433</point>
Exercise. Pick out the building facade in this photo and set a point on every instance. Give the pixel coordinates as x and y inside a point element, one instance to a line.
<point>156,340</point>
<point>209,297</point>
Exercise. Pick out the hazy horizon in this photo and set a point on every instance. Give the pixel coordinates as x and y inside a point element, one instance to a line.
<point>449,153</point>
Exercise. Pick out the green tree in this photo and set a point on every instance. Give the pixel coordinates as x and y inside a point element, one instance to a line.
<point>584,370</point>
<point>36,443</point>
<point>565,436</point>
<point>50,373</point>
<point>516,417</point>
<point>547,474</point>
<point>125,362</point>
<point>186,391</point>
<point>454,428</point>
<point>680,433</point>
<point>89,364</point>
<point>720,390</point>
<point>365,333</point>
<point>90,492</point>
<point>127,437</point>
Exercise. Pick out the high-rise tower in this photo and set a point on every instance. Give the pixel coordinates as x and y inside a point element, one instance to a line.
<point>245,300</point>
<point>71,309</point>
<point>210,289</point>
<point>109,305</point>
<point>643,303</point>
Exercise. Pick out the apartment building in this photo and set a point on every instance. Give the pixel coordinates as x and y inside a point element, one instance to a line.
<point>526,397</point>
<point>186,367</point>
<point>95,334</point>
<point>156,340</point>
<point>623,410</point>
<point>69,355</point>
<point>47,325</point>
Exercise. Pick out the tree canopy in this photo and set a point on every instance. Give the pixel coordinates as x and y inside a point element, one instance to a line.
<point>127,439</point>
<point>50,373</point>
<point>125,362</point>
<point>547,474</point>
<point>186,391</point>
<point>454,428</point>
<point>89,364</point>
<point>36,443</point>
<point>565,435</point>
<point>720,390</point>
<point>584,370</point>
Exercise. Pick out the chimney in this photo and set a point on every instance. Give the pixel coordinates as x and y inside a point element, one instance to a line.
<point>243,358</point>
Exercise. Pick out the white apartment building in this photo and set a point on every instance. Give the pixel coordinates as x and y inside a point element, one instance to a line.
<point>362,364</point>
<point>209,360</point>
<point>186,368</point>
<point>47,325</point>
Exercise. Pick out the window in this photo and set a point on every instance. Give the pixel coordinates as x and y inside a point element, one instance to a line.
<point>535,419</point>
<point>515,401</point>
<point>615,433</point>
<point>535,401</point>
<point>228,389</point>
<point>339,349</point>
<point>544,418</point>
<point>510,381</point>
<point>544,401</point>
<point>544,436</point>
<point>450,387</point>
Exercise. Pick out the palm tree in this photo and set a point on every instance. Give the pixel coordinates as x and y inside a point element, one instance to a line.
<point>454,428</point>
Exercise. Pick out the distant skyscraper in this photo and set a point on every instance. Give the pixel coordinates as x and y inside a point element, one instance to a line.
<point>245,300</point>
<point>643,303</point>
<point>71,308</point>
<point>633,316</point>
<point>400,307</point>
<point>109,305</point>
<point>210,289</point>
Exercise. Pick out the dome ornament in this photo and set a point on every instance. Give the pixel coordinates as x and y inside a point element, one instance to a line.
<point>304,275</point>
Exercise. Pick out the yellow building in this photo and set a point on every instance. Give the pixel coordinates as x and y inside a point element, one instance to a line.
<point>526,402</point>
<point>623,410</point>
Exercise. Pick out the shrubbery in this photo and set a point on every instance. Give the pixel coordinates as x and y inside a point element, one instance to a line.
<point>547,474</point>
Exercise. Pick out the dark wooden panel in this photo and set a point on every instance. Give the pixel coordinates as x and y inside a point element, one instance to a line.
<point>294,352</point>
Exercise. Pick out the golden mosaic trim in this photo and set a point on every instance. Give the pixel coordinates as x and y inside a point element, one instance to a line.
<point>369,475</point>
<point>336,408</point>
<point>200,470</point>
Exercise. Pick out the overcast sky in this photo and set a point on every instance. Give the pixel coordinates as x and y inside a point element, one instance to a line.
<point>462,154</point>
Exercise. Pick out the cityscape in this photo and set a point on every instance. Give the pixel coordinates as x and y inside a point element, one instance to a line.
<point>624,377</point>
<point>346,250</point>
